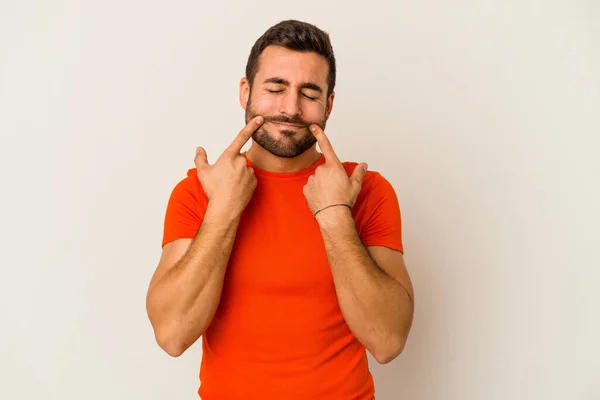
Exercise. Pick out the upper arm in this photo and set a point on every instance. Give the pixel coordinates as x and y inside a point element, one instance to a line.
<point>185,210</point>
<point>392,263</point>
<point>380,218</point>
<point>183,217</point>
<point>381,232</point>
<point>172,252</point>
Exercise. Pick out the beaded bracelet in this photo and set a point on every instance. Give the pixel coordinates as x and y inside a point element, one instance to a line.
<point>333,205</point>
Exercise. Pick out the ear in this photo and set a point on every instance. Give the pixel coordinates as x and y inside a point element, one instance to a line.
<point>244,92</point>
<point>329,105</point>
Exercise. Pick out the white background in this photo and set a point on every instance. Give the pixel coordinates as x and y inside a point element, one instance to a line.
<point>484,115</point>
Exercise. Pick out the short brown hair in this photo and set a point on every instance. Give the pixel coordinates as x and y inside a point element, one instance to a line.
<point>298,36</point>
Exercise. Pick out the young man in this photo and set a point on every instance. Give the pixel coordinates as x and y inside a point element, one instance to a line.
<point>288,262</point>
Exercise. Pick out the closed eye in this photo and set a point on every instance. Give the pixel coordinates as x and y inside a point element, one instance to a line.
<point>303,94</point>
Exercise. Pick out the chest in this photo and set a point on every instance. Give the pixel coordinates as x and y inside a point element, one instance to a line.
<point>279,248</point>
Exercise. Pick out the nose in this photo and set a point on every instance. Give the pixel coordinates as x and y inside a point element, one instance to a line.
<point>289,104</point>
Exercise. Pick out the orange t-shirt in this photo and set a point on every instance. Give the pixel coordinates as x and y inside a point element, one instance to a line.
<point>278,332</point>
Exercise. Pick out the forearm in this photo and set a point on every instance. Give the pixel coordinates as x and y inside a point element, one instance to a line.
<point>184,301</point>
<point>376,307</point>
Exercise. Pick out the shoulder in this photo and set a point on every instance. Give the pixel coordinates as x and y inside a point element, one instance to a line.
<point>189,188</point>
<point>377,210</point>
<point>373,180</point>
<point>376,196</point>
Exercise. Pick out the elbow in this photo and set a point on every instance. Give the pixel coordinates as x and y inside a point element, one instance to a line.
<point>392,345</point>
<point>171,340</point>
<point>173,349</point>
<point>173,337</point>
<point>390,352</point>
<point>170,344</point>
<point>168,335</point>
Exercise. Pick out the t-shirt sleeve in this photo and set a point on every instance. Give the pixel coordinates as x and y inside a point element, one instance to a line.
<point>185,210</point>
<point>383,225</point>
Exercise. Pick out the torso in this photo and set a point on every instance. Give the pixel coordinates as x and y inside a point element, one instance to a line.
<point>279,331</point>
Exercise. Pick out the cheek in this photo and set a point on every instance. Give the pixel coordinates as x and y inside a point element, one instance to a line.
<point>263,103</point>
<point>313,112</point>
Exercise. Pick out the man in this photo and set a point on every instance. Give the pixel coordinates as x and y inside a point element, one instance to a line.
<point>288,262</point>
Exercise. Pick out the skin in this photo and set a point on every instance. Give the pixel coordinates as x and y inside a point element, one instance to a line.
<point>290,101</point>
<point>374,290</point>
<point>372,284</point>
<point>185,289</point>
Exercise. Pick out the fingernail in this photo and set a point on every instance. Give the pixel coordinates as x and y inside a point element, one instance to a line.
<point>313,128</point>
<point>259,120</point>
<point>366,166</point>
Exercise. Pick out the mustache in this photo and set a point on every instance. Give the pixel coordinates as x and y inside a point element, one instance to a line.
<point>286,120</point>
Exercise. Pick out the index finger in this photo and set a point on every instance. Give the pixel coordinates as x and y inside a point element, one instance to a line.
<point>324,143</point>
<point>244,135</point>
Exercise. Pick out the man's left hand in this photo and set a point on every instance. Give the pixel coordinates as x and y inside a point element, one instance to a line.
<point>330,183</point>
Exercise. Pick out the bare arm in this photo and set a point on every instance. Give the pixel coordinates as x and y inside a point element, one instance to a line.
<point>186,288</point>
<point>372,285</point>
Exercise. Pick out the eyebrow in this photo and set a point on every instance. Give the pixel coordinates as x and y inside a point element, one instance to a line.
<point>307,85</point>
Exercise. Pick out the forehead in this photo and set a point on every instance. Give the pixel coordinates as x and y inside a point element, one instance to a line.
<point>294,66</point>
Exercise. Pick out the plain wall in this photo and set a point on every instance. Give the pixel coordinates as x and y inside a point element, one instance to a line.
<point>484,115</point>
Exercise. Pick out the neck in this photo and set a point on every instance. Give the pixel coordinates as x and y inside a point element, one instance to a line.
<point>266,161</point>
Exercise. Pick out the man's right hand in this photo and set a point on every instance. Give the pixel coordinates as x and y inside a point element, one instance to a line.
<point>229,183</point>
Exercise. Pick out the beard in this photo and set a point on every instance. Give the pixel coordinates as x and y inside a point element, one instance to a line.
<point>291,143</point>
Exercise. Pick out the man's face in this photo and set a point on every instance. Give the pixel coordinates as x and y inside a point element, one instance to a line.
<point>290,92</point>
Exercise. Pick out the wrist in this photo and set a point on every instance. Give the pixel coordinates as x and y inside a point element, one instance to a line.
<point>335,217</point>
<point>221,215</point>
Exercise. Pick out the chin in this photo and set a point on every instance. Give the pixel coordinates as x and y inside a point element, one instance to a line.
<point>286,145</point>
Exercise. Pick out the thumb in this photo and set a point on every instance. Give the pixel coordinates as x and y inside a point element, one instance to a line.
<point>201,159</point>
<point>359,173</point>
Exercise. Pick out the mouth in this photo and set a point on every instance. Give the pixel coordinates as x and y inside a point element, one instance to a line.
<point>287,127</point>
